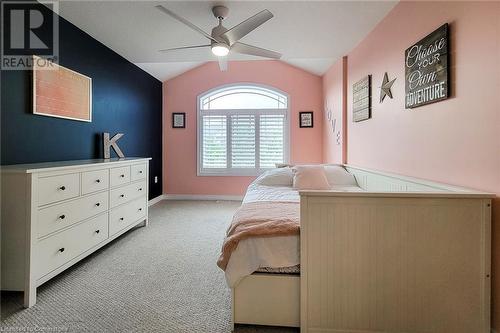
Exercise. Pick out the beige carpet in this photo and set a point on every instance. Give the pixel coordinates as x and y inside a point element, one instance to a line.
<point>157,279</point>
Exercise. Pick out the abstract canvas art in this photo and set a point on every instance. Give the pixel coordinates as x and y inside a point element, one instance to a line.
<point>62,93</point>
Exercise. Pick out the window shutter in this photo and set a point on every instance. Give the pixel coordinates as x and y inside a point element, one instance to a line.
<point>242,130</point>
<point>214,142</point>
<point>243,141</point>
<point>272,145</point>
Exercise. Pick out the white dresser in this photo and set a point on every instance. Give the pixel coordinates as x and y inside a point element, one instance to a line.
<point>54,214</point>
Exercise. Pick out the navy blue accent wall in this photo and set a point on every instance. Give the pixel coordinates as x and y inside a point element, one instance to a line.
<point>124,99</point>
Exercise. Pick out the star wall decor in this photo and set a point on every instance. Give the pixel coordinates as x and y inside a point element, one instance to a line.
<point>385,89</point>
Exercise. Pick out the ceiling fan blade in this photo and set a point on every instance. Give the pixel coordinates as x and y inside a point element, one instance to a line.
<point>223,64</point>
<point>254,50</point>
<point>184,48</point>
<point>183,20</point>
<point>238,31</point>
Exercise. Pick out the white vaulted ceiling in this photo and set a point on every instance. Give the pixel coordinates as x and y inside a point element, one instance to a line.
<point>310,34</point>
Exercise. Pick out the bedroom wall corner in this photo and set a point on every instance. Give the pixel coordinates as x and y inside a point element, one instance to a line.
<point>334,117</point>
<point>180,145</point>
<point>125,99</point>
<point>454,141</point>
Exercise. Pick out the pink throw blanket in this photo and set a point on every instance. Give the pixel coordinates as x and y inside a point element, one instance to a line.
<point>260,219</point>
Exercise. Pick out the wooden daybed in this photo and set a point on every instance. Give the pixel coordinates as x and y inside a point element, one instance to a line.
<point>404,255</point>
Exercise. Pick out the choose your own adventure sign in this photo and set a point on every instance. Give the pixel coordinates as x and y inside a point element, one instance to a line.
<point>426,69</point>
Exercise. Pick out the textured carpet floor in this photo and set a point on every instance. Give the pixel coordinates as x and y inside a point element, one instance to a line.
<point>157,279</point>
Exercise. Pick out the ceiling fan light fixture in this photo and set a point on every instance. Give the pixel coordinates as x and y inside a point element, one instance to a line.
<point>220,49</point>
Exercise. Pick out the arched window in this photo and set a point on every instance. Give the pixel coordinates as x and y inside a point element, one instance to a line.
<point>242,130</point>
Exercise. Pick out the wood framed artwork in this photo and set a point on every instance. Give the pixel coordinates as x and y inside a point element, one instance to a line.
<point>362,99</point>
<point>306,119</point>
<point>426,69</point>
<point>179,120</point>
<point>62,93</point>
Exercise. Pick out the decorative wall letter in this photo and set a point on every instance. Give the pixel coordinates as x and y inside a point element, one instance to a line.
<point>332,119</point>
<point>108,143</point>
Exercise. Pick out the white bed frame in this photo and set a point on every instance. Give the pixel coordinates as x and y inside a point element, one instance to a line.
<point>405,255</point>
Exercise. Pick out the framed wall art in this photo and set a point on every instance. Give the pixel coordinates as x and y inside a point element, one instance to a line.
<point>426,69</point>
<point>179,120</point>
<point>62,93</point>
<point>306,119</point>
<point>362,99</point>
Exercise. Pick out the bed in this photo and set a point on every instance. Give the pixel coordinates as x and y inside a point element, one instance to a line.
<point>269,254</point>
<point>264,272</point>
<point>362,264</point>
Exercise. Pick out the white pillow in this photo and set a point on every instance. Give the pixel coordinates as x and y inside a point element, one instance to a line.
<point>276,177</point>
<point>310,177</point>
<point>337,175</point>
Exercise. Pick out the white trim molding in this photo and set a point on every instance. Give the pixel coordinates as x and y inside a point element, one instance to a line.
<point>193,197</point>
<point>203,197</point>
<point>155,200</point>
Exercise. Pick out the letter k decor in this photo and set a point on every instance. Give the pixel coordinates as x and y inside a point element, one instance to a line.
<point>108,143</point>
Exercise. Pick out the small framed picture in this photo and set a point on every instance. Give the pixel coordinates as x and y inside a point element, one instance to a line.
<point>306,119</point>
<point>179,120</point>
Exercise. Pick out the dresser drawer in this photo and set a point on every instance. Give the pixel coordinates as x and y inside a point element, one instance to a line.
<point>123,216</point>
<point>138,171</point>
<point>59,216</point>
<point>119,176</point>
<point>126,193</point>
<point>55,251</point>
<point>93,181</point>
<point>57,188</point>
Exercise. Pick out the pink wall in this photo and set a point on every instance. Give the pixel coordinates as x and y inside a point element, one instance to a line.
<point>456,141</point>
<point>334,95</point>
<point>179,145</point>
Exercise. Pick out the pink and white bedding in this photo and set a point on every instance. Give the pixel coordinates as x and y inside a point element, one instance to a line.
<point>260,219</point>
<point>256,252</point>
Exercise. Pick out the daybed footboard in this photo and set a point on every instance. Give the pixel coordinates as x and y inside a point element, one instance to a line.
<point>398,262</point>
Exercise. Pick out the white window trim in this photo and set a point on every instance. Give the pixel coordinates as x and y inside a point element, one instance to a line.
<point>234,171</point>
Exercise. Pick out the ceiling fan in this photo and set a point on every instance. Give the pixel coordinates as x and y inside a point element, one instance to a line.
<point>223,40</point>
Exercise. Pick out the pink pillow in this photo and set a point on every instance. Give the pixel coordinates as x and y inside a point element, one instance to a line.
<point>310,177</point>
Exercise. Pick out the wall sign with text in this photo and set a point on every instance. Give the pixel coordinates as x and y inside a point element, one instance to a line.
<point>426,69</point>
<point>362,101</point>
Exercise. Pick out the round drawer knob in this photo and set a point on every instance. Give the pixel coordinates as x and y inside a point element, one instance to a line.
<point>140,209</point>
<point>97,231</point>
<point>140,189</point>
<point>123,176</point>
<point>98,204</point>
<point>62,217</point>
<point>97,180</point>
<point>122,195</point>
<point>61,249</point>
<point>140,171</point>
<point>121,218</point>
<point>62,188</point>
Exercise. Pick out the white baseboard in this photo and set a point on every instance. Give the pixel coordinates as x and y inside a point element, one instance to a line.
<point>203,197</point>
<point>154,201</point>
